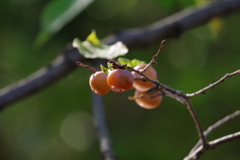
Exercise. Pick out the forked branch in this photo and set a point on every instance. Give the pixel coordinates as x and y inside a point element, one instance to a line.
<point>203,145</point>
<point>178,95</point>
<point>217,125</point>
<point>212,145</point>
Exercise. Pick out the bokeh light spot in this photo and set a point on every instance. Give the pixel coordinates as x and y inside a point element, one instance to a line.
<point>188,53</point>
<point>77,131</point>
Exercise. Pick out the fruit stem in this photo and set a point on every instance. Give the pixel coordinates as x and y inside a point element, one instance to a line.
<point>138,97</point>
<point>86,66</point>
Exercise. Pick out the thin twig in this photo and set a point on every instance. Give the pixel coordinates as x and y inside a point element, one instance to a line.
<point>86,66</point>
<point>202,91</point>
<point>217,125</point>
<point>154,57</point>
<point>141,96</point>
<point>224,139</point>
<point>212,145</point>
<point>161,85</point>
<point>197,123</point>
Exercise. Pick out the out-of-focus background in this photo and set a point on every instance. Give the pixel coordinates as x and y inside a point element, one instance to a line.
<point>57,123</point>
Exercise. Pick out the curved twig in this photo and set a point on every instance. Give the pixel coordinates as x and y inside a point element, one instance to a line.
<point>202,91</point>
<point>212,145</point>
<point>215,126</point>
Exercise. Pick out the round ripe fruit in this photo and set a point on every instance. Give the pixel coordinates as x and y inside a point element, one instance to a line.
<point>98,83</point>
<point>120,80</point>
<point>148,101</point>
<point>141,85</point>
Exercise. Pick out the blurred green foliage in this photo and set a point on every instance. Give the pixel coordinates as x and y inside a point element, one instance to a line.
<point>57,14</point>
<point>56,123</point>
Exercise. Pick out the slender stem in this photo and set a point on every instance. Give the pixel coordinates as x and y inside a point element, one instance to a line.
<point>197,123</point>
<point>202,91</point>
<point>224,139</point>
<point>217,125</point>
<point>86,66</point>
<point>185,101</point>
<point>139,97</point>
<point>154,57</point>
<point>159,84</point>
<point>212,145</point>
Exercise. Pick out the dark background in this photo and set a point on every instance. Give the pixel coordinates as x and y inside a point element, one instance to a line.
<point>56,123</point>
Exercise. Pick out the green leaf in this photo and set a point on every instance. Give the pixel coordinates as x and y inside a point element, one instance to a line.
<point>93,39</point>
<point>136,62</point>
<point>104,69</point>
<point>57,14</point>
<point>109,64</point>
<point>122,60</point>
<point>95,49</point>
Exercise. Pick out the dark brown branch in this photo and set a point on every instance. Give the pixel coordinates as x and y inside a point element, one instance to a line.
<point>42,78</point>
<point>212,145</point>
<point>202,91</point>
<point>171,26</point>
<point>217,125</point>
<point>175,25</point>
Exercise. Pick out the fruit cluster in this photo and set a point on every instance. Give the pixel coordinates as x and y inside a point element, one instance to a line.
<point>120,78</point>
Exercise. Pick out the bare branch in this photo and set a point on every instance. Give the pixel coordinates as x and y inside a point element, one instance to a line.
<point>228,138</point>
<point>221,122</point>
<point>154,57</point>
<point>175,25</point>
<point>216,125</point>
<point>171,26</point>
<point>42,78</point>
<point>197,123</point>
<point>202,91</point>
<point>212,145</point>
